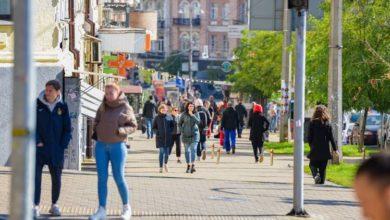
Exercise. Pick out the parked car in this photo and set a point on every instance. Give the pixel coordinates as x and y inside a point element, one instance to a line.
<point>373,123</point>
<point>384,132</point>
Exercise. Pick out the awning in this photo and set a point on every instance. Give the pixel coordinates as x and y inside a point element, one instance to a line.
<point>131,89</point>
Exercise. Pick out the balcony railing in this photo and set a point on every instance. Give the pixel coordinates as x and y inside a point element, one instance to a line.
<point>186,21</point>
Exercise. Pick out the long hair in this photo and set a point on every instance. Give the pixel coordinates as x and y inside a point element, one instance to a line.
<point>187,105</point>
<point>321,113</point>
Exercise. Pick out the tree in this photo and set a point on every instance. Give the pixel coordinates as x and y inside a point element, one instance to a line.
<point>258,64</point>
<point>172,64</point>
<point>366,55</point>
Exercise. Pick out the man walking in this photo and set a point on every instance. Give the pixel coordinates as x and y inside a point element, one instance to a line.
<point>230,124</point>
<point>242,113</point>
<point>53,134</point>
<point>205,119</point>
<point>149,112</point>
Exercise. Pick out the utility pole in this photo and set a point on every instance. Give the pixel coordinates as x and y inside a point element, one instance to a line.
<point>23,141</point>
<point>299,106</point>
<point>286,75</point>
<point>335,73</point>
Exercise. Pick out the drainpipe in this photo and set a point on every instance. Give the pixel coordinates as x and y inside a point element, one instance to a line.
<point>72,48</point>
<point>87,17</point>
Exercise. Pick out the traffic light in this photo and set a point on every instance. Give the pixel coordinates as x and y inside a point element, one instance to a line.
<point>298,4</point>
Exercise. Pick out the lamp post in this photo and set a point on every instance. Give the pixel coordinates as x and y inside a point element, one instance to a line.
<point>301,7</point>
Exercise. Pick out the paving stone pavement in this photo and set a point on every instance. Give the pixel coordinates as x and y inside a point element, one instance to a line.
<point>236,188</point>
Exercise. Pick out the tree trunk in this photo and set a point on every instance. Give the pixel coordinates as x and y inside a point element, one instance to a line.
<point>383,145</point>
<point>362,130</point>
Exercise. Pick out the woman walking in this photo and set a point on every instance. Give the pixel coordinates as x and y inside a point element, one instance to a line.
<point>114,121</point>
<point>258,125</point>
<point>320,134</point>
<point>176,133</point>
<point>188,125</point>
<point>163,127</point>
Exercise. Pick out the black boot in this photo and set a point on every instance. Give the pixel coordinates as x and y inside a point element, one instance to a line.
<point>193,168</point>
<point>234,150</point>
<point>188,168</point>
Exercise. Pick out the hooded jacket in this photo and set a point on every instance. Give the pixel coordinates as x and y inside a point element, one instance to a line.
<point>115,120</point>
<point>53,130</point>
<point>258,125</point>
<point>163,126</point>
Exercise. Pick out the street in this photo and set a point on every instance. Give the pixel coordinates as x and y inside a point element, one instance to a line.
<point>237,188</point>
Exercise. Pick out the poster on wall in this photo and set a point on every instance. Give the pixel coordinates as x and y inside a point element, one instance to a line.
<point>72,97</point>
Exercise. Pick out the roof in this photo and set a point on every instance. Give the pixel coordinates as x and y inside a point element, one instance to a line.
<point>131,89</point>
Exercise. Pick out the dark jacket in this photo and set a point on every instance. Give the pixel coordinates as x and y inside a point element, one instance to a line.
<point>149,110</point>
<point>189,128</point>
<point>163,126</point>
<point>258,125</point>
<point>320,135</point>
<point>53,129</point>
<point>230,119</point>
<point>176,129</point>
<point>205,118</point>
<point>242,113</point>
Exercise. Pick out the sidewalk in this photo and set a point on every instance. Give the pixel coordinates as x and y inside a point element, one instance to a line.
<point>237,188</point>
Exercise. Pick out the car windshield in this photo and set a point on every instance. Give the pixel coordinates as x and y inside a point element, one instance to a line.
<point>373,120</point>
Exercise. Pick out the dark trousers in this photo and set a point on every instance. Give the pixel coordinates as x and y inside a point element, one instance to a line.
<point>55,173</point>
<point>318,167</point>
<point>257,148</point>
<point>177,142</point>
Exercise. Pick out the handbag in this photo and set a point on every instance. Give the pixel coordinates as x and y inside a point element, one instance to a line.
<point>335,157</point>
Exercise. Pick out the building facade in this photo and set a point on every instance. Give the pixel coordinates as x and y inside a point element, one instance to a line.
<point>215,31</point>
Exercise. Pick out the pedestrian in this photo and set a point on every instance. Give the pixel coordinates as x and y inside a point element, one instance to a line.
<point>230,124</point>
<point>258,125</point>
<point>272,116</point>
<point>319,137</point>
<point>210,110</point>
<point>53,133</point>
<point>148,113</point>
<point>213,106</point>
<point>188,124</point>
<point>242,114</point>
<point>205,119</point>
<point>163,126</point>
<point>176,133</point>
<point>114,121</point>
<point>372,187</point>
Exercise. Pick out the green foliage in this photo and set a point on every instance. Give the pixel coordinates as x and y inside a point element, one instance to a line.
<point>343,174</point>
<point>285,148</point>
<point>172,64</point>
<point>353,151</point>
<point>258,64</point>
<point>146,75</point>
<point>366,55</point>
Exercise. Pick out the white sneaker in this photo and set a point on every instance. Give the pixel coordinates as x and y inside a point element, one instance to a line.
<point>126,214</point>
<point>36,212</point>
<point>99,215</point>
<point>55,210</point>
<point>166,168</point>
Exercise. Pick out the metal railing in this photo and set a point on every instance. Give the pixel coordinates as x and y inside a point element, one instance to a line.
<point>186,21</point>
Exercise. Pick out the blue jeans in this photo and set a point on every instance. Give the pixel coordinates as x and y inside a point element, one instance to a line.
<point>200,147</point>
<point>230,139</point>
<point>163,155</point>
<point>116,153</point>
<point>239,130</point>
<point>190,151</point>
<point>273,125</point>
<point>149,131</point>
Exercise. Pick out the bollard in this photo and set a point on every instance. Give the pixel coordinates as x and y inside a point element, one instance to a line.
<point>212,151</point>
<point>219,152</point>
<point>272,156</point>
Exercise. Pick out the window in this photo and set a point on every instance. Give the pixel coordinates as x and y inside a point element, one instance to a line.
<point>195,41</point>
<point>184,9</point>
<point>214,11</point>
<point>213,43</point>
<point>184,41</point>
<point>242,13</point>
<point>225,43</point>
<point>225,12</point>
<point>5,9</point>
<point>196,9</point>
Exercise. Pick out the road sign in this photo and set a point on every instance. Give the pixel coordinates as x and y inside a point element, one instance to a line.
<point>226,66</point>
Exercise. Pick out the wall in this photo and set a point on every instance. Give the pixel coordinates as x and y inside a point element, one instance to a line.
<point>146,20</point>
